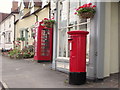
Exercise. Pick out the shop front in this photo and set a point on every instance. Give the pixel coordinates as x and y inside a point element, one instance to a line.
<point>67,21</point>
<point>96,53</point>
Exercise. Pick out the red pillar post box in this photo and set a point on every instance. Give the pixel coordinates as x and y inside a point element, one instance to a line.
<point>43,43</point>
<point>77,47</point>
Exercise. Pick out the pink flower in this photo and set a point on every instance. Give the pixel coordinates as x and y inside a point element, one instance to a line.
<point>77,9</point>
<point>85,5</point>
<point>42,22</point>
<point>94,6</point>
<point>81,7</point>
<point>52,18</point>
<point>90,4</point>
<point>75,13</point>
<point>28,52</point>
<point>45,18</point>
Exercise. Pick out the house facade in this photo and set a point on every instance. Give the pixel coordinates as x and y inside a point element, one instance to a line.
<point>2,16</point>
<point>7,27</point>
<point>30,13</point>
<point>102,41</point>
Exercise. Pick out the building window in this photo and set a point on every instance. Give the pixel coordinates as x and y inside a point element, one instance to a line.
<point>9,22</point>
<point>67,21</point>
<point>9,37</point>
<point>22,34</point>
<point>9,25</point>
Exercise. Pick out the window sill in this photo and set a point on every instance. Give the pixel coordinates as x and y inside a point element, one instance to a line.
<point>66,60</point>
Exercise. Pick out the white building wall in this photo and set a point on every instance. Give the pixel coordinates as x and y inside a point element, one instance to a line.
<point>7,26</point>
<point>111,39</point>
<point>8,21</point>
<point>114,38</point>
<point>2,36</point>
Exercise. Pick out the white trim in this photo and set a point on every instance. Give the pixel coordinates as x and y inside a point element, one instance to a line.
<point>75,25</point>
<point>65,58</point>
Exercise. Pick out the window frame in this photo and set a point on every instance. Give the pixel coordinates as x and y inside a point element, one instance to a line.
<point>8,37</point>
<point>67,27</point>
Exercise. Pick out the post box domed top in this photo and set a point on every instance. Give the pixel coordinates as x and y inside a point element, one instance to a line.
<point>77,32</point>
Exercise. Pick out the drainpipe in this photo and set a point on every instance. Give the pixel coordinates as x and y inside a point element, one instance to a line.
<point>100,40</point>
<point>95,68</point>
<point>36,17</point>
<point>55,35</point>
<point>14,27</point>
<point>50,9</point>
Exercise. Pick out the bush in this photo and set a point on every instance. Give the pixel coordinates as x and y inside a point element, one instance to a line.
<point>15,53</point>
<point>28,52</point>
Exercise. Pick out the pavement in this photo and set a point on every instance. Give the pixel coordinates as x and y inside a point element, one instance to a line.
<point>30,74</point>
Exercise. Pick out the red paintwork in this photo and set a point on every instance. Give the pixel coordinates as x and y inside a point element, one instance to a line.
<point>78,51</point>
<point>43,49</point>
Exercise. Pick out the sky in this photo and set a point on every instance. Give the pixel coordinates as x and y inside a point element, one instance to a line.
<point>5,5</point>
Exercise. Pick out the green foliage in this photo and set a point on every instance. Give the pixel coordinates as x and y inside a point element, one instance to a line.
<point>84,10</point>
<point>33,35</point>
<point>28,55</point>
<point>26,52</point>
<point>49,21</point>
<point>18,39</point>
<point>14,53</point>
<point>22,39</point>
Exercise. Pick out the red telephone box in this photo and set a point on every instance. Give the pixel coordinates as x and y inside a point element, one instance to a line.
<point>43,43</point>
<point>77,47</point>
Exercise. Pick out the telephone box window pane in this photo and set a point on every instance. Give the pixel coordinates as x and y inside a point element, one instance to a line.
<point>45,42</point>
<point>62,42</point>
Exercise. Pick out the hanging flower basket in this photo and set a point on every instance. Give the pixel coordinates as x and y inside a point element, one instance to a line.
<point>48,22</point>
<point>86,15</point>
<point>86,11</point>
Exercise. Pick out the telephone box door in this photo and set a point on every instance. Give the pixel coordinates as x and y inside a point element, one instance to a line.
<point>44,44</point>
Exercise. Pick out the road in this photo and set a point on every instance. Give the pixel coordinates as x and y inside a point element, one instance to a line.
<point>30,74</point>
